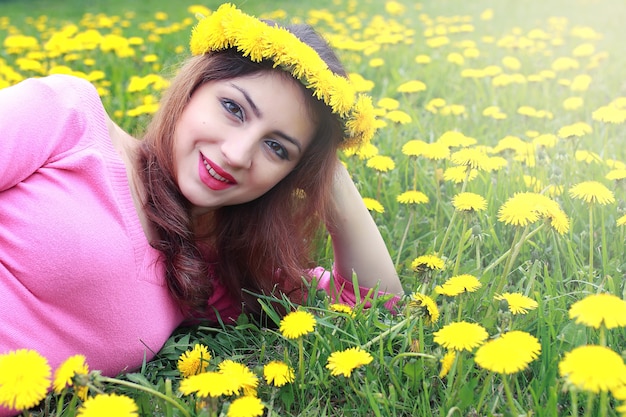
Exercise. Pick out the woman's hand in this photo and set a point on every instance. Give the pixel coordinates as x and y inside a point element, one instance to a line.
<point>357,244</point>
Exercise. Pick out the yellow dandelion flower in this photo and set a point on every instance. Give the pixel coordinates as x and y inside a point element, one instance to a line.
<point>398,116</point>
<point>616,174</point>
<point>547,140</point>
<point>432,262</point>
<point>552,212</point>
<point>587,157</point>
<point>486,14</point>
<point>518,211</point>
<point>525,208</point>
<point>455,58</point>
<point>574,130</point>
<point>436,151</point>
<point>435,104</point>
<point>511,63</point>
<point>373,205</point>
<point>342,308</point>
<point>510,143</point>
<point>496,163</point>
<point>620,394</point>
<point>64,375</point>
<point>208,384</point>
<point>346,361</point>
<point>341,96</point>
<point>573,103</point>
<point>593,368</point>
<point>423,59</point>
<point>458,284</point>
<point>412,197</point>
<point>194,361</point>
<point>388,103</point>
<point>437,41</point>
<point>24,379</point>
<point>239,375</point>
<point>446,363</point>
<point>453,139</point>
<point>381,163</point>
<point>361,124</point>
<point>597,310</point>
<point>109,405</point>
<point>584,49</point>
<point>246,406</point>
<point>360,83</point>
<point>564,64</point>
<point>469,202</point>
<point>414,147</point>
<point>376,62</point>
<point>621,221</point>
<point>423,306</point>
<point>458,174</point>
<point>413,86</point>
<point>461,336</point>
<point>609,114</point>
<point>518,303</point>
<point>509,353</point>
<point>592,192</point>
<point>580,83</point>
<point>278,373</point>
<point>297,324</point>
<point>471,157</point>
<point>365,151</point>
<point>615,164</point>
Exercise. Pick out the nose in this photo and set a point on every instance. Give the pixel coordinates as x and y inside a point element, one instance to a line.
<point>238,150</point>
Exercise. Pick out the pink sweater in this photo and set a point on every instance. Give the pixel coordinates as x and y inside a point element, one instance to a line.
<point>77,274</point>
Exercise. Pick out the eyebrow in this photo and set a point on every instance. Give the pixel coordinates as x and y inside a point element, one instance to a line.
<point>257,112</point>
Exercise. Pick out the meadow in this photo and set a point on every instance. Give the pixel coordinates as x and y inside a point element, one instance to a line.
<point>497,178</point>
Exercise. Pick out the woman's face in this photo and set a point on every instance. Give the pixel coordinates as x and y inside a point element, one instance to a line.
<point>238,138</point>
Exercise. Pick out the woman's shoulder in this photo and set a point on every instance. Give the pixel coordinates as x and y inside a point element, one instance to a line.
<point>64,90</point>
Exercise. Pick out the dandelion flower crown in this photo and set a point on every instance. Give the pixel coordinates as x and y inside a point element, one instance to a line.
<point>228,27</point>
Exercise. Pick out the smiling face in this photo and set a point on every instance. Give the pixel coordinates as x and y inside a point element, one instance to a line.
<point>237,138</point>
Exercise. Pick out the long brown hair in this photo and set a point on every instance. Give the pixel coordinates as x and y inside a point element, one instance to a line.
<point>262,246</point>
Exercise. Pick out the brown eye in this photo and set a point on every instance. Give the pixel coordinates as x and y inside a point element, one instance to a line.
<point>233,108</point>
<point>278,149</point>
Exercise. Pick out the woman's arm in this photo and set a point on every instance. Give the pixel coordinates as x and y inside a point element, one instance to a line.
<point>357,243</point>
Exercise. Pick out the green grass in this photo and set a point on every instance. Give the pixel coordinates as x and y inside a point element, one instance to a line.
<point>553,269</point>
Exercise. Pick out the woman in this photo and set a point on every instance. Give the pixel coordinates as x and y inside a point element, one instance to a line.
<point>107,243</point>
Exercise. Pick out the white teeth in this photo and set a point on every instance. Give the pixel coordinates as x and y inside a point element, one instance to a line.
<point>212,172</point>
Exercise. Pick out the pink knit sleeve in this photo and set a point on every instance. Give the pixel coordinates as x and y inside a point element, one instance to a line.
<point>342,291</point>
<point>38,120</point>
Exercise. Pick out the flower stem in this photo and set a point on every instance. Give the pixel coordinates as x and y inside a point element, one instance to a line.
<point>301,360</point>
<point>451,223</point>
<point>509,262</point>
<point>509,396</point>
<point>506,254</point>
<point>603,403</point>
<point>460,249</point>
<point>60,403</point>
<point>590,280</point>
<point>589,406</point>
<point>602,335</point>
<point>483,392</point>
<point>447,233</point>
<point>574,400</point>
<point>404,235</point>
